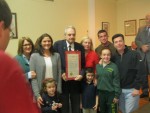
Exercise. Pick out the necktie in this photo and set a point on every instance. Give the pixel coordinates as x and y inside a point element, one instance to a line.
<point>69,47</point>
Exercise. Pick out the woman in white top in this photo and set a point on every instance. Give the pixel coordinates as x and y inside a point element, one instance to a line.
<point>46,64</point>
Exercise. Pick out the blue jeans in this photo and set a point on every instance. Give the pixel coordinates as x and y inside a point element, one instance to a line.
<point>128,103</point>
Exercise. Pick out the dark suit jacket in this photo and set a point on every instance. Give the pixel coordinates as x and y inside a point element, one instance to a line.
<point>60,47</point>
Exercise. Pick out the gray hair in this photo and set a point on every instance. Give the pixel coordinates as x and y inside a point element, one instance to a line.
<point>68,27</point>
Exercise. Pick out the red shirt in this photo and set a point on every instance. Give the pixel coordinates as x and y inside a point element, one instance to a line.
<point>16,95</point>
<point>91,59</point>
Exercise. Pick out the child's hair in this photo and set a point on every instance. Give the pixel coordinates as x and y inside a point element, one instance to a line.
<point>45,82</point>
<point>89,70</point>
<point>104,48</point>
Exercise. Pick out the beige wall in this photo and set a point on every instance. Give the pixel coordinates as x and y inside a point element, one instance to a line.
<point>129,10</point>
<point>35,17</point>
<point>105,12</point>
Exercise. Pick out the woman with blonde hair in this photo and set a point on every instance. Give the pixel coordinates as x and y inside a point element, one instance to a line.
<point>91,58</point>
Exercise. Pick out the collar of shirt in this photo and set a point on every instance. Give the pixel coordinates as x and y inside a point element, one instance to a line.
<point>72,46</point>
<point>25,58</point>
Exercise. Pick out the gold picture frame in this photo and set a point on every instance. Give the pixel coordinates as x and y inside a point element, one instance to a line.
<point>106,26</point>
<point>130,27</point>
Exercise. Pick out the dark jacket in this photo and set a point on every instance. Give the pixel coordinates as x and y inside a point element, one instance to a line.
<point>70,86</point>
<point>130,70</point>
<point>48,101</point>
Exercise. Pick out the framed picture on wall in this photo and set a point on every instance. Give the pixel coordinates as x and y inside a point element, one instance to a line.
<point>142,22</point>
<point>106,26</point>
<point>130,27</point>
<point>13,26</point>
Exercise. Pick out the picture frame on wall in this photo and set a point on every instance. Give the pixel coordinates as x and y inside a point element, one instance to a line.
<point>130,27</point>
<point>142,22</point>
<point>106,26</point>
<point>13,26</point>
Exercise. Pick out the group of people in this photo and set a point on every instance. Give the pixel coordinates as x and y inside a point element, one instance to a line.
<point>109,75</point>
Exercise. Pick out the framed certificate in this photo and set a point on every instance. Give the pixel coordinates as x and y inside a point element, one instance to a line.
<point>130,27</point>
<point>73,64</point>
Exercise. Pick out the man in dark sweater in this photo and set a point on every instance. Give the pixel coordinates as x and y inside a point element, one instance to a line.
<point>130,70</point>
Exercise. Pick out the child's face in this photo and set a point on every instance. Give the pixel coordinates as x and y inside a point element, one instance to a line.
<point>89,77</point>
<point>106,55</point>
<point>51,89</point>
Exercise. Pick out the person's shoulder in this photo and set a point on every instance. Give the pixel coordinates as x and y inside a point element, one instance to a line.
<point>9,64</point>
<point>76,43</point>
<point>113,64</point>
<point>56,54</point>
<point>59,41</point>
<point>5,58</point>
<point>93,53</point>
<point>98,46</point>
<point>35,54</point>
<point>18,57</point>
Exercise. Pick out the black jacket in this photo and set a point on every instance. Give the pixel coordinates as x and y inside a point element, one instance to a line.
<point>48,102</point>
<point>130,67</point>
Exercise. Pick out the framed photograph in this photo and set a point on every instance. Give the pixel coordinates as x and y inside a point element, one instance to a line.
<point>73,64</point>
<point>13,26</point>
<point>130,27</point>
<point>142,22</point>
<point>106,26</point>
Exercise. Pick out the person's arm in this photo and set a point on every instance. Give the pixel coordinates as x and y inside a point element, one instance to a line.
<point>141,71</point>
<point>96,103</point>
<point>138,38</point>
<point>59,84</point>
<point>116,81</point>
<point>34,82</point>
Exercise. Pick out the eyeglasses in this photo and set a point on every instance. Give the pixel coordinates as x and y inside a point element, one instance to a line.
<point>25,45</point>
<point>71,34</point>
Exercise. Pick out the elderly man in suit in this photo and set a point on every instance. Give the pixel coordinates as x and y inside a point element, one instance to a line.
<point>70,88</point>
<point>143,43</point>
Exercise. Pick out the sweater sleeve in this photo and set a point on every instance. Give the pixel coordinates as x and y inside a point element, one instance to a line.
<point>34,82</point>
<point>116,82</point>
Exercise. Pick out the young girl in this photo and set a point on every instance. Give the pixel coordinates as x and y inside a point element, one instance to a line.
<point>108,83</point>
<point>89,93</point>
<point>51,102</point>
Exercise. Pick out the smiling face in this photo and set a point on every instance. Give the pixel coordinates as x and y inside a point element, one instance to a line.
<point>27,47</point>
<point>51,88</point>
<point>103,37</point>
<point>89,77</point>
<point>46,43</point>
<point>119,44</point>
<point>106,55</point>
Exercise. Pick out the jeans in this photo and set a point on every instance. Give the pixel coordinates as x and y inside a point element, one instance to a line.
<point>128,103</point>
